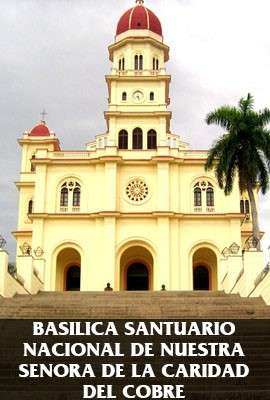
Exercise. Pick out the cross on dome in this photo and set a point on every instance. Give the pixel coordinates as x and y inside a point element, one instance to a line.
<point>43,114</point>
<point>140,2</point>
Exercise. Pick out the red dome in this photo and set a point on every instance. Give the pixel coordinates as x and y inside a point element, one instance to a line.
<point>40,130</point>
<point>139,17</point>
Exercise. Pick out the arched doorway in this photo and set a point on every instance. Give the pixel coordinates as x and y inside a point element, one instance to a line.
<point>201,278</point>
<point>137,277</point>
<point>136,269</point>
<point>68,270</point>
<point>204,269</point>
<point>73,278</point>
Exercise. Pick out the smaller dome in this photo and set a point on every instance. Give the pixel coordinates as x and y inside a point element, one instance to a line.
<point>40,130</point>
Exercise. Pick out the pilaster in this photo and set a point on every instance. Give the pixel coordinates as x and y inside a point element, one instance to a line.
<point>162,270</point>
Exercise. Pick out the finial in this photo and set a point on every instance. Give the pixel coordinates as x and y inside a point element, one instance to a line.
<point>140,2</point>
<point>43,114</point>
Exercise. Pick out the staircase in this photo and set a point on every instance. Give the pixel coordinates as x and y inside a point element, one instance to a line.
<point>16,329</point>
<point>136,305</point>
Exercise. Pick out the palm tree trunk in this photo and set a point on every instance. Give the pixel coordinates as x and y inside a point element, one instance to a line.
<point>254,213</point>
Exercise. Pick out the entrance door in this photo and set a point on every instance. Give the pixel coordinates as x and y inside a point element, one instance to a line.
<point>201,280</point>
<point>137,277</point>
<point>73,279</point>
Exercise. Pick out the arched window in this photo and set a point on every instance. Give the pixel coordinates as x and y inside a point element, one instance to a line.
<point>141,63</point>
<point>136,63</point>
<point>152,96</point>
<point>137,139</point>
<point>247,208</point>
<point>70,196</point>
<point>155,64</point>
<point>30,207</point>
<point>242,207</point>
<point>210,199</point>
<point>197,197</point>
<point>152,139</point>
<point>123,140</point>
<point>64,196</point>
<point>124,96</point>
<point>121,64</point>
<point>204,196</point>
<point>76,197</point>
<point>33,167</point>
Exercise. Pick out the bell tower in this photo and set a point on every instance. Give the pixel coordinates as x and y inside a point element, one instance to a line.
<point>138,85</point>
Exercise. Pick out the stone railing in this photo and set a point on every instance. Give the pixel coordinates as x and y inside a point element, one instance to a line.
<point>143,72</point>
<point>70,154</point>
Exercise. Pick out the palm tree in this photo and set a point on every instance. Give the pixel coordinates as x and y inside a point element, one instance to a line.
<point>242,152</point>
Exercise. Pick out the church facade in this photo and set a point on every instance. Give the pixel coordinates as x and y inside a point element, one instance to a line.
<point>136,208</point>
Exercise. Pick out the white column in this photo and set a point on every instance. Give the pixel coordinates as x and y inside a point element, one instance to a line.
<point>163,194</point>
<point>175,278</point>
<point>40,189</point>
<point>110,185</point>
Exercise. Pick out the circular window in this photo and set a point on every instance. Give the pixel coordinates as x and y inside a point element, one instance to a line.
<point>137,190</point>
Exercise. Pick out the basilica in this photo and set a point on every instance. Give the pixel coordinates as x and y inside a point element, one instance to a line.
<point>135,210</point>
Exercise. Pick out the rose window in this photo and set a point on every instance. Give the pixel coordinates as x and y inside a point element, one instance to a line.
<point>137,190</point>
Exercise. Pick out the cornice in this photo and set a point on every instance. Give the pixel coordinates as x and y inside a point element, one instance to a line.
<point>139,39</point>
<point>154,214</point>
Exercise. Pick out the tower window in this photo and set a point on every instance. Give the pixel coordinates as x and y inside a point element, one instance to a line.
<point>121,65</point>
<point>137,139</point>
<point>155,64</point>
<point>210,200</point>
<point>136,63</point>
<point>247,210</point>
<point>124,96</point>
<point>141,63</point>
<point>152,96</point>
<point>30,207</point>
<point>123,140</point>
<point>152,139</point>
<point>242,207</point>
<point>33,167</point>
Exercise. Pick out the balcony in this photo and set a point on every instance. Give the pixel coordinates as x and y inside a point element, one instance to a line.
<point>143,72</point>
<point>202,210</point>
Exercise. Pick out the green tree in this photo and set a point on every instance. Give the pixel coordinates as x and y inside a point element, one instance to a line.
<point>242,152</point>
